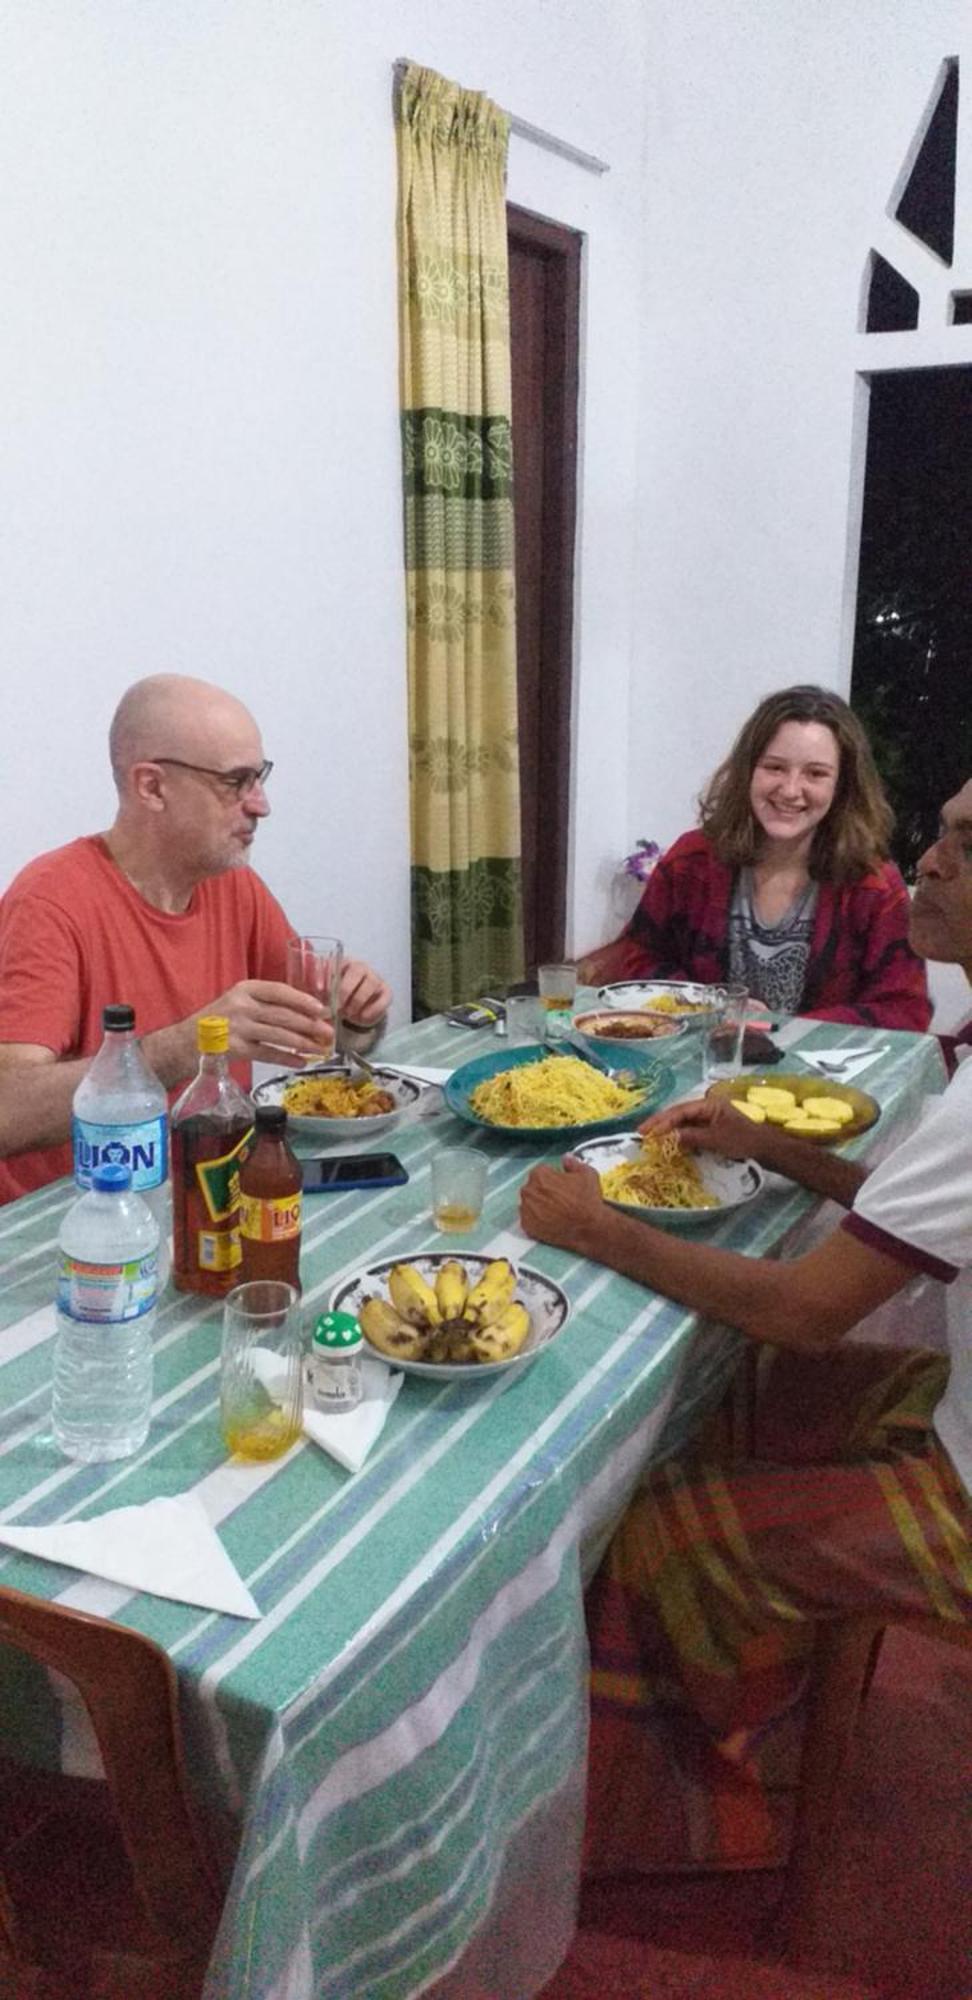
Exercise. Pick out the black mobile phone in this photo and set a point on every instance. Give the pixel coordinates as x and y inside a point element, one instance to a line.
<point>475,1014</point>
<point>352,1170</point>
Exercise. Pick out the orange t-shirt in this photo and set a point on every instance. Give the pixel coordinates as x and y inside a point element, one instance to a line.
<point>76,935</point>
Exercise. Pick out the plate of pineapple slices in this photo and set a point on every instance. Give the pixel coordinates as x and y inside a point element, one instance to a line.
<point>453,1317</point>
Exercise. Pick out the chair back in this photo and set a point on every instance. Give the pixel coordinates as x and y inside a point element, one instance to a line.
<point>129,1689</point>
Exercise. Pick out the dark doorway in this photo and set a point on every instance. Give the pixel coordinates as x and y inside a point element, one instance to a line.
<point>912,673</point>
<point>544,317</point>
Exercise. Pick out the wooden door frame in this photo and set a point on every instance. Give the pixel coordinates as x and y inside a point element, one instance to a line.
<point>562,248</point>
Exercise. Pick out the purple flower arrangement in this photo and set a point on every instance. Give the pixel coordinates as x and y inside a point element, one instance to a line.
<point>641,862</point>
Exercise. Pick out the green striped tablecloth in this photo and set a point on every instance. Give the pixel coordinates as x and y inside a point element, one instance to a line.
<point>395,1751</point>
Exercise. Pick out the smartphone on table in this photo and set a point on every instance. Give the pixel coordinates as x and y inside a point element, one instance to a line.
<point>339,1171</point>
<point>485,1013</point>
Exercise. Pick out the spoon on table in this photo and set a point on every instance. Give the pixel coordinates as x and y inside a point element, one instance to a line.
<point>835,1066</point>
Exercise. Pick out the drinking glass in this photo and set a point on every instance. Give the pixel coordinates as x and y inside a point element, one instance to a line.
<point>558,985</point>
<point>458,1187</point>
<point>314,966</point>
<point>524,1019</point>
<point>722,1041</point>
<point>260,1388</point>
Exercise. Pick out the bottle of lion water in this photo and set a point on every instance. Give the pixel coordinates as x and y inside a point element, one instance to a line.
<point>106,1297</point>
<point>120,1118</point>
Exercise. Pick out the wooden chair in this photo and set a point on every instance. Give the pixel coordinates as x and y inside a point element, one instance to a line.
<point>107,1890</point>
<point>843,1662</point>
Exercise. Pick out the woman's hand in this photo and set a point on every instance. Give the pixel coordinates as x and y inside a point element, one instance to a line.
<point>564,1206</point>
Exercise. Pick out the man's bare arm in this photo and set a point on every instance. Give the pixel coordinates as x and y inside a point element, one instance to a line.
<point>808,1304</point>
<point>269,1022</point>
<point>35,1097</point>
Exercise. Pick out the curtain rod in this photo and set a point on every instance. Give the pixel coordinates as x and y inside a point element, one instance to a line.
<point>536,135</point>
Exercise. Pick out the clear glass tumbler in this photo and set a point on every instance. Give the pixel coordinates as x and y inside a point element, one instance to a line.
<point>458,1187</point>
<point>314,966</point>
<point>722,1041</point>
<point>524,1019</point>
<point>558,986</point>
<point>260,1389</point>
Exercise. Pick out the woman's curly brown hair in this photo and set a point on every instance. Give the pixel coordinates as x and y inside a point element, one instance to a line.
<point>854,837</point>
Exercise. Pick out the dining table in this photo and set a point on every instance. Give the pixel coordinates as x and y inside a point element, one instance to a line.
<point>391,1758</point>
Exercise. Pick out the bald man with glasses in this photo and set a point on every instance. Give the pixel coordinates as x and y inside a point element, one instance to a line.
<point>162,911</point>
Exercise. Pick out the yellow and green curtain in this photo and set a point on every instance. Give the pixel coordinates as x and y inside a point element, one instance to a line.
<point>467,934</point>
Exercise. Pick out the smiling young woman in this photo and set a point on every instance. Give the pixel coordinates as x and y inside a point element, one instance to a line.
<point>786,886</point>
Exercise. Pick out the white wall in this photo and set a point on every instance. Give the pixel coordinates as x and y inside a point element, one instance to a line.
<point>775,133</point>
<point>199,358</point>
<point>199,354</point>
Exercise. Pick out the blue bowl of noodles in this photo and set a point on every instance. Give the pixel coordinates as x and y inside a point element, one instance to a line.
<point>550,1105</point>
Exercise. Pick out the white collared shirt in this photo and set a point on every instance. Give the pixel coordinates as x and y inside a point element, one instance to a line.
<point>917,1207</point>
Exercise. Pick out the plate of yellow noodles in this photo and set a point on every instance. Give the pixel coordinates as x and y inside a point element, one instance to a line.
<point>528,1093</point>
<point>654,1179</point>
<point>331,1101</point>
<point>684,1000</point>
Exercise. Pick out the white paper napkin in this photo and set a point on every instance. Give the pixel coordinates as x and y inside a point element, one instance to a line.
<point>346,1435</point>
<point>349,1435</point>
<point>420,1072</point>
<point>852,1059</point>
<point>167,1547</point>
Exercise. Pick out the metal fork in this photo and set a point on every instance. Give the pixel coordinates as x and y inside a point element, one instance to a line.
<point>338,1061</point>
<point>358,1063</point>
<point>627,1078</point>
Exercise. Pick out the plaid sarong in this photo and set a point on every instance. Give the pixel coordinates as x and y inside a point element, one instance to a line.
<point>701,1618</point>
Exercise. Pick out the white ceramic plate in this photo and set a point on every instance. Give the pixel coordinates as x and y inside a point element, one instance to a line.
<point>659,1033</point>
<point>403,1089</point>
<point>547,1305</point>
<point>634,995</point>
<point>733,1182</point>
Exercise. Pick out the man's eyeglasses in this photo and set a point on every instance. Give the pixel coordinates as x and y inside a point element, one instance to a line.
<point>238,782</point>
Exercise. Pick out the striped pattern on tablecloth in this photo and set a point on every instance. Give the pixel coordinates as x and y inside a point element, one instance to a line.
<point>414,1694</point>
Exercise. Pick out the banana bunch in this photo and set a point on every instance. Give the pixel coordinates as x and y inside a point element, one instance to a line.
<point>450,1321</point>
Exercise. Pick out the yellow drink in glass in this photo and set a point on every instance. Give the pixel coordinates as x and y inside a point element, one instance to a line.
<point>267,1437</point>
<point>458,1188</point>
<point>455,1215</point>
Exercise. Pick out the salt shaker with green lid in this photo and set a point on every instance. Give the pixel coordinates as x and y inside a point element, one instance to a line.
<point>334,1377</point>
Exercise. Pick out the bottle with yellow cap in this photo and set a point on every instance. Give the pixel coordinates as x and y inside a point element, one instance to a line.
<point>211,1127</point>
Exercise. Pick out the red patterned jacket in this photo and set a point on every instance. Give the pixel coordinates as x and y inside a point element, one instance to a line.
<point>861,966</point>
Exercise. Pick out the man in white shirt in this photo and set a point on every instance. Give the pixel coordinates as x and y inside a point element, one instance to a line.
<point>857,1498</point>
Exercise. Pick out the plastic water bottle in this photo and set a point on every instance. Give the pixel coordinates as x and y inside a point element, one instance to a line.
<point>120,1118</point>
<point>106,1298</point>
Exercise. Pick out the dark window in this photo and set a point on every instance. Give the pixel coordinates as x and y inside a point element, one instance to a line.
<point>927,204</point>
<point>912,673</point>
<point>892,304</point>
<point>961,308</point>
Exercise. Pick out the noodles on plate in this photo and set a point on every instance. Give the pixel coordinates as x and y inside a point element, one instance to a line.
<point>558,1090</point>
<point>335,1097</point>
<point>661,1177</point>
<point>670,1003</point>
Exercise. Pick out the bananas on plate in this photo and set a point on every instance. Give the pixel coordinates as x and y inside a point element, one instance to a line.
<point>452,1320</point>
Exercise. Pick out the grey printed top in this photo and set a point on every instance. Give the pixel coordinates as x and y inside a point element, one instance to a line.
<point>770,960</point>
